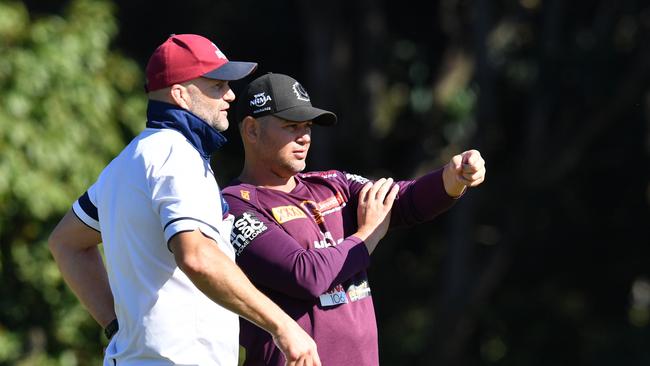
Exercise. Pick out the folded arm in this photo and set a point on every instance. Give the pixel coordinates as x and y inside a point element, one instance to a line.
<point>276,260</point>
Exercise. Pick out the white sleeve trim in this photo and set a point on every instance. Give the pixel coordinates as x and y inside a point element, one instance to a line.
<point>183,224</point>
<point>84,217</point>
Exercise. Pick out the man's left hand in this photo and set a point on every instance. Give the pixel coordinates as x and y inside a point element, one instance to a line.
<point>463,170</point>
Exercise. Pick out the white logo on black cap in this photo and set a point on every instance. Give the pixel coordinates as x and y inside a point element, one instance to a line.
<point>301,93</point>
<point>259,100</point>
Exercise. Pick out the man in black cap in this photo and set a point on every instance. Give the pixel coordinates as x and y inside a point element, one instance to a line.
<point>305,239</point>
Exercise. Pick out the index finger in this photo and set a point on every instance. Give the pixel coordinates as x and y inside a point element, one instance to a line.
<point>376,186</point>
<point>383,189</point>
<point>390,198</point>
<point>468,157</point>
<point>363,194</point>
<point>473,159</point>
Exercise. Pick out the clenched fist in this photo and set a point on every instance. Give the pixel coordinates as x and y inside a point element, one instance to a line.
<point>463,170</point>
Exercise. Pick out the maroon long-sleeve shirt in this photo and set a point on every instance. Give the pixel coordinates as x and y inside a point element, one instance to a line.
<point>298,249</point>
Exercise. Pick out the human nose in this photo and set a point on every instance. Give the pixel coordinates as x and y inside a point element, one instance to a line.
<point>229,96</point>
<point>305,135</point>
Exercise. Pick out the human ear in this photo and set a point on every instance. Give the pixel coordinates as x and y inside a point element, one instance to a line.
<point>250,128</point>
<point>180,96</point>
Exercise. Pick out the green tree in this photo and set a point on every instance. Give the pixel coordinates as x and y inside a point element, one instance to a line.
<point>69,104</point>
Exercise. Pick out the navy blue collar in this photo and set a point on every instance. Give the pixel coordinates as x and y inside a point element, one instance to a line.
<point>199,133</point>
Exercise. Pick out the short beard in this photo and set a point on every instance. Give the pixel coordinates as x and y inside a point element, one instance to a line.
<point>293,168</point>
<point>199,109</point>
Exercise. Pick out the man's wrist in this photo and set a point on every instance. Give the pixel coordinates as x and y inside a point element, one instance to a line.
<point>457,191</point>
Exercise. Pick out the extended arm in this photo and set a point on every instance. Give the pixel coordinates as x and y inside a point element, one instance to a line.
<point>432,194</point>
<point>75,249</point>
<point>421,200</point>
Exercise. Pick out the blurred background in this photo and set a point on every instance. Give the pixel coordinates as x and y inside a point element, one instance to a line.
<point>547,263</point>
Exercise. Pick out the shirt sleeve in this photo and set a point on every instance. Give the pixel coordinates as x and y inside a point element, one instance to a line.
<point>421,200</point>
<point>273,259</point>
<point>85,208</point>
<point>186,196</point>
<point>418,200</point>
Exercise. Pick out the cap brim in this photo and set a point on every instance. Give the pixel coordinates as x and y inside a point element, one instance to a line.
<point>307,113</point>
<point>232,70</point>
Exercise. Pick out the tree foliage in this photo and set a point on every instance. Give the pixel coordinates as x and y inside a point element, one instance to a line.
<point>69,103</point>
<point>545,264</point>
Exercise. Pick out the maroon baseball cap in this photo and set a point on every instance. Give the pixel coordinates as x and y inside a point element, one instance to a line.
<point>184,57</point>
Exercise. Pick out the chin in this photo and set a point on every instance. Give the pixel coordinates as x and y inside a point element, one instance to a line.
<point>221,126</point>
<point>301,167</point>
<point>294,168</point>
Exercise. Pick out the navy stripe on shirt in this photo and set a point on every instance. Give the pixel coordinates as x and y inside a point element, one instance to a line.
<point>88,207</point>
<point>188,218</point>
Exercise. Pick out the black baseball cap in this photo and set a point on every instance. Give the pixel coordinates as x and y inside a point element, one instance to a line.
<point>282,96</point>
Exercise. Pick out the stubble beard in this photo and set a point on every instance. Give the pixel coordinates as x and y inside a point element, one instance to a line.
<point>297,166</point>
<point>288,168</point>
<point>207,114</point>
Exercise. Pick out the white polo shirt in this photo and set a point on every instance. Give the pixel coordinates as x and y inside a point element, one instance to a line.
<point>136,205</point>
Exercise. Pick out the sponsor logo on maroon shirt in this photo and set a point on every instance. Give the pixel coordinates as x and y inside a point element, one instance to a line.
<point>284,214</point>
<point>325,207</point>
<point>327,175</point>
<point>245,194</point>
<point>246,228</point>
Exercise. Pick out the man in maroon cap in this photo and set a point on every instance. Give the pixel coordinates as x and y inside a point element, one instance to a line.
<point>170,277</point>
<point>305,239</point>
